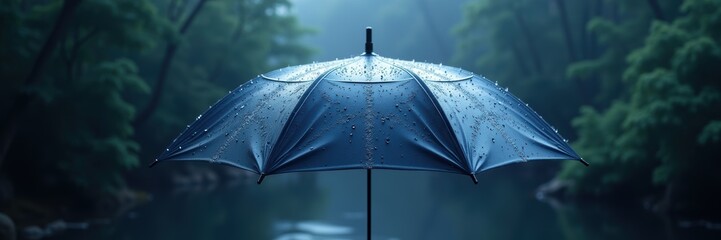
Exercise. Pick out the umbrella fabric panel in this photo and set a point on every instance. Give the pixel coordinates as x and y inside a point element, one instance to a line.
<point>383,120</point>
<point>493,127</point>
<point>242,127</point>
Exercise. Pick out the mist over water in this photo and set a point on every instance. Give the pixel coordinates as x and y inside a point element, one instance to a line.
<point>407,29</point>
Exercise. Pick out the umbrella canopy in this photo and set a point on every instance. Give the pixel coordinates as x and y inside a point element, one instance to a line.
<point>369,112</point>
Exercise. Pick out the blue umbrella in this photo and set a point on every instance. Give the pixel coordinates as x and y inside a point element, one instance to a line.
<point>369,112</point>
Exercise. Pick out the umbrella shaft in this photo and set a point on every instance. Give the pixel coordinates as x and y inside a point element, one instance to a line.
<point>368,201</point>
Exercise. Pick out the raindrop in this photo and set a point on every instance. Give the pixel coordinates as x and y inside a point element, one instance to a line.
<point>506,89</point>
<point>493,140</point>
<point>353,127</point>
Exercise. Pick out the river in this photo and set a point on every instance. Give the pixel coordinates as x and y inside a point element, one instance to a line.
<point>406,205</point>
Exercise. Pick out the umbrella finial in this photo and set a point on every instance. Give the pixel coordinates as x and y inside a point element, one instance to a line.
<point>369,41</point>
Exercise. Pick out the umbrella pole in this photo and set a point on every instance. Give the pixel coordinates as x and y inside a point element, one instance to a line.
<point>368,201</point>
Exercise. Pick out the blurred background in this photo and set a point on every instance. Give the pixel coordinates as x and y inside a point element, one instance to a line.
<point>93,90</point>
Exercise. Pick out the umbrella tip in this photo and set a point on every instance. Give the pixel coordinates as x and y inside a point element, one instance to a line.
<point>584,162</point>
<point>260,179</point>
<point>369,41</point>
<point>153,163</point>
<point>473,177</point>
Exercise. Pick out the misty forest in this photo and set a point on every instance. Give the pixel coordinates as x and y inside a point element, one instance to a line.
<point>93,90</point>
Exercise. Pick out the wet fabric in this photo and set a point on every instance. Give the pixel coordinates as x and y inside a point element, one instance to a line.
<point>369,112</point>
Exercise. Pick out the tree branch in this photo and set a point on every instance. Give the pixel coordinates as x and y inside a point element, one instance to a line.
<point>219,65</point>
<point>529,41</point>
<point>566,30</point>
<point>167,61</point>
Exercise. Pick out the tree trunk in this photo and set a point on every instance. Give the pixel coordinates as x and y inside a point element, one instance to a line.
<point>21,102</point>
<point>219,65</point>
<point>585,35</point>
<point>168,57</point>
<point>595,50</point>
<point>656,9</point>
<point>529,41</point>
<point>566,30</point>
<point>664,205</point>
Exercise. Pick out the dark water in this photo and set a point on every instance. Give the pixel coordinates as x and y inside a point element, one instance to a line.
<point>406,205</point>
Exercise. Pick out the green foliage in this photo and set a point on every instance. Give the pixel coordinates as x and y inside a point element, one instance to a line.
<point>77,131</point>
<point>228,44</point>
<point>89,125</point>
<point>520,45</point>
<point>618,39</point>
<point>656,83</point>
<point>80,131</point>
<point>666,132</point>
<point>711,133</point>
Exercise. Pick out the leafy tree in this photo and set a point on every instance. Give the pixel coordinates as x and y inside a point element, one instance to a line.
<point>19,104</point>
<point>618,31</point>
<point>230,42</point>
<point>87,67</point>
<point>169,54</point>
<point>79,69</point>
<point>557,55</point>
<point>663,139</point>
<point>76,130</point>
<point>521,52</point>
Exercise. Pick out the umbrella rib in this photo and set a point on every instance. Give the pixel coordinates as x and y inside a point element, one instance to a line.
<point>442,115</point>
<point>494,122</point>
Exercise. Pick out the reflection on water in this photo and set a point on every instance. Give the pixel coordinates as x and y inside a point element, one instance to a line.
<point>406,205</point>
<point>311,230</point>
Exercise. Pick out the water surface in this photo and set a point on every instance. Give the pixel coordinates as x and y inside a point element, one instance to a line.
<point>406,205</point>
